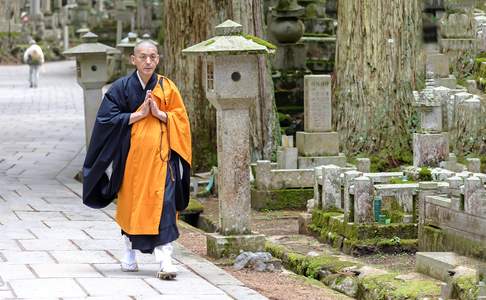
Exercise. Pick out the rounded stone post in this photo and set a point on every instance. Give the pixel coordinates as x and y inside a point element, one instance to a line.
<point>317,186</point>
<point>263,174</point>
<point>454,193</point>
<point>426,188</point>
<point>473,190</point>
<point>474,165</point>
<point>363,200</point>
<point>363,165</point>
<point>349,177</point>
<point>331,187</point>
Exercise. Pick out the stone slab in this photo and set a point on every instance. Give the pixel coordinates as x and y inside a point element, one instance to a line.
<point>437,264</point>
<point>26,257</point>
<point>82,256</point>
<point>297,178</point>
<point>114,271</point>
<point>65,270</point>
<point>449,219</point>
<point>43,288</point>
<point>317,143</point>
<point>12,271</point>
<point>316,161</point>
<point>117,286</point>
<point>198,286</point>
<point>47,244</point>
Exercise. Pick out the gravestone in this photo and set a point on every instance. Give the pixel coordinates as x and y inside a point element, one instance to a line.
<point>318,143</point>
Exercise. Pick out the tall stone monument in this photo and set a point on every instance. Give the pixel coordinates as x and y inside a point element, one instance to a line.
<point>430,144</point>
<point>457,32</point>
<point>318,144</point>
<point>230,70</point>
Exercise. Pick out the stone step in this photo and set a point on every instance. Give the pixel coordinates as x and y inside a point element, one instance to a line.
<point>438,265</point>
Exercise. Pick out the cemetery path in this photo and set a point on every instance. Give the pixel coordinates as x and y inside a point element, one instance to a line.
<point>51,246</point>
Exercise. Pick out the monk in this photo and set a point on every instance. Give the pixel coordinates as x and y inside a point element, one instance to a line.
<point>142,130</point>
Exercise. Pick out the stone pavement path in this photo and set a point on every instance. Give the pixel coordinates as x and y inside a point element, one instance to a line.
<point>51,246</point>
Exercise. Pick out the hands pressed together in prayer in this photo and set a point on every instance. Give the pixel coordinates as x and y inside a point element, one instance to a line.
<point>148,106</point>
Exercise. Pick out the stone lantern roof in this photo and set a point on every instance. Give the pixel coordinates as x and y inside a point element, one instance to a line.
<point>230,40</point>
<point>90,46</point>
<point>130,41</point>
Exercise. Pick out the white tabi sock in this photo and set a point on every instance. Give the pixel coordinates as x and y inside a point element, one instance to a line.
<point>129,257</point>
<point>163,255</point>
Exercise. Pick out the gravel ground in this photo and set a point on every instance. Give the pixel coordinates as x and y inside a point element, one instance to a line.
<point>281,285</point>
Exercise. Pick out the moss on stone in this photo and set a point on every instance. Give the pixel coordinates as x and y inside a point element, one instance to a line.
<point>194,206</point>
<point>329,263</point>
<point>383,287</point>
<point>281,199</point>
<point>425,174</point>
<point>260,41</point>
<point>277,251</point>
<point>210,42</point>
<point>465,287</point>
<point>396,180</point>
<point>435,239</point>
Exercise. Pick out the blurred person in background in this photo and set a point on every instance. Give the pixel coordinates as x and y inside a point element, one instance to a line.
<point>34,57</point>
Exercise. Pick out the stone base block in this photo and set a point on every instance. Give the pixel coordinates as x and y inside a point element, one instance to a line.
<point>430,148</point>
<point>281,199</point>
<point>457,44</point>
<point>304,220</point>
<point>219,246</point>
<point>436,264</point>
<point>317,143</point>
<point>448,82</point>
<point>316,161</point>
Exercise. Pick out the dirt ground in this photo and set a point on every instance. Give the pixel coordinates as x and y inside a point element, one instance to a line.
<point>282,227</point>
<point>280,285</point>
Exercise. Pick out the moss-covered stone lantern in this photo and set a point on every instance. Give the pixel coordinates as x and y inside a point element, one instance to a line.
<point>231,81</point>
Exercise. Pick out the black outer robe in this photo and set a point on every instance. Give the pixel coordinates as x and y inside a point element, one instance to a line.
<point>110,143</point>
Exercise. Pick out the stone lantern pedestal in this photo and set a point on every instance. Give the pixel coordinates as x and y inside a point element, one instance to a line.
<point>231,84</point>
<point>92,75</point>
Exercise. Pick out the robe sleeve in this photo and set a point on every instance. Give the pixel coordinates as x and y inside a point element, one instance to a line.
<point>179,131</point>
<point>178,125</point>
<point>109,141</point>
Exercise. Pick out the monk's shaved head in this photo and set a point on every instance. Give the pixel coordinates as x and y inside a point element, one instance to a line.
<point>144,44</point>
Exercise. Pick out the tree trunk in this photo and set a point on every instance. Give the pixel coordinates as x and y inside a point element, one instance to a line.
<point>378,63</point>
<point>187,22</point>
<point>265,127</point>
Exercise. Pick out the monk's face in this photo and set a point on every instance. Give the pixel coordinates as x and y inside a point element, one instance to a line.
<point>145,58</point>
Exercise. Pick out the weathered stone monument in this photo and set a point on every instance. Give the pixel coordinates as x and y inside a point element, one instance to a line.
<point>430,145</point>
<point>457,38</point>
<point>318,144</point>
<point>231,84</point>
<point>92,75</point>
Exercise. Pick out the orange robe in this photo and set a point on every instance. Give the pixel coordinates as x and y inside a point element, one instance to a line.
<point>141,196</point>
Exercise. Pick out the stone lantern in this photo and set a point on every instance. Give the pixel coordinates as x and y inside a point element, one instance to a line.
<point>92,74</point>
<point>230,72</point>
<point>126,46</point>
